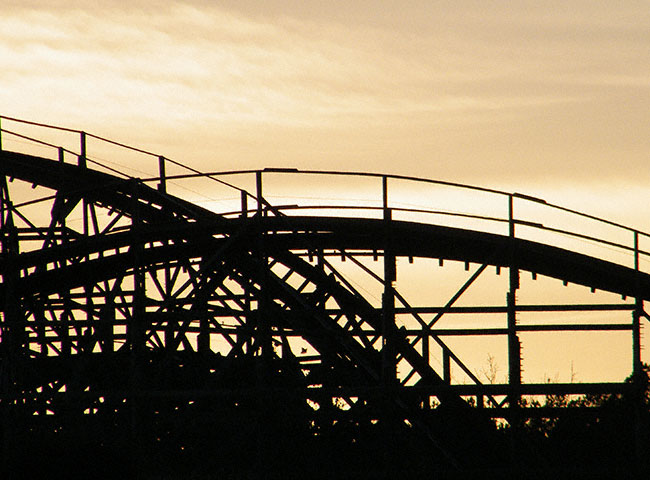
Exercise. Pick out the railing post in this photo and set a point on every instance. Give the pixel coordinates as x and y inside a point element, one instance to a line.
<point>244,204</point>
<point>258,186</point>
<point>636,250</point>
<point>636,317</point>
<point>0,133</point>
<point>511,221</point>
<point>162,186</point>
<point>82,156</point>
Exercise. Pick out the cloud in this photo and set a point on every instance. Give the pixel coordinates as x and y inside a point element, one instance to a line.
<point>240,69</point>
<point>453,82</point>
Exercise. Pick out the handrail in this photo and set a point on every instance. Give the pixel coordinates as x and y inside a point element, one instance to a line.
<point>214,176</point>
<point>123,145</point>
<point>65,150</point>
<point>35,140</point>
<point>44,125</point>
<point>402,177</point>
<point>351,173</point>
<point>83,136</point>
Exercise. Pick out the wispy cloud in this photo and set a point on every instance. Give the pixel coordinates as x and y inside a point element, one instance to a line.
<point>230,68</point>
<point>452,80</point>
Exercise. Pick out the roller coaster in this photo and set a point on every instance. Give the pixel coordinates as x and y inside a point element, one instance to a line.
<point>144,325</point>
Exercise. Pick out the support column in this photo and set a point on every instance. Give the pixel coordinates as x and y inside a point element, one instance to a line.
<point>262,341</point>
<point>637,366</point>
<point>136,332</point>
<point>390,421</point>
<point>389,368</point>
<point>203,338</point>
<point>12,329</point>
<point>171,323</point>
<point>426,347</point>
<point>137,325</point>
<point>514,347</point>
<point>636,319</point>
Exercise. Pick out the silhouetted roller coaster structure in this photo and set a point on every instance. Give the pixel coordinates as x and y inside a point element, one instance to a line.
<point>140,326</point>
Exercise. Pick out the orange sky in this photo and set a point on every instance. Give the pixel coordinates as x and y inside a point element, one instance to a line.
<point>498,93</point>
<point>550,98</point>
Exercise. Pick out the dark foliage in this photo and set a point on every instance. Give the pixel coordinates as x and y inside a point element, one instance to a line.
<point>257,424</point>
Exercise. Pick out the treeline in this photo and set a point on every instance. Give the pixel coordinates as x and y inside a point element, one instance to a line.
<point>597,434</point>
<point>277,434</point>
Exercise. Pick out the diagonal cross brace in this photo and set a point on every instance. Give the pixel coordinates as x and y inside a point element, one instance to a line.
<point>458,294</point>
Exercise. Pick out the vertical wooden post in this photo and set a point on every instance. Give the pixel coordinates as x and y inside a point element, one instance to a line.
<point>263,341</point>
<point>83,155</point>
<point>258,187</point>
<point>12,329</point>
<point>248,342</point>
<point>389,382</point>
<point>514,348</point>
<point>426,339</point>
<point>244,204</point>
<point>162,185</point>
<point>388,298</point>
<point>636,317</point>
<point>446,366</point>
<point>136,328</point>
<point>637,366</point>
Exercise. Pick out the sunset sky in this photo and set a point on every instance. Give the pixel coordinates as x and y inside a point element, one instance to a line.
<point>512,94</point>
<point>550,98</point>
